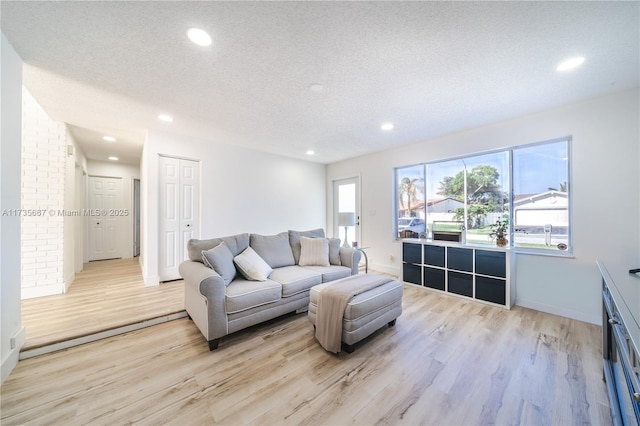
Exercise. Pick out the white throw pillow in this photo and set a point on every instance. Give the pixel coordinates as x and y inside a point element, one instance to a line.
<point>314,251</point>
<point>252,266</point>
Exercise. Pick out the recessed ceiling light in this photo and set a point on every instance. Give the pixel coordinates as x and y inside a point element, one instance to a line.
<point>113,158</point>
<point>570,63</point>
<point>387,126</point>
<point>199,37</point>
<point>165,117</point>
<point>109,138</point>
<point>316,87</point>
<point>311,152</point>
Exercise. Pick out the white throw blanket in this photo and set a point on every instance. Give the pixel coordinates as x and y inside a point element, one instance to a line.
<point>332,302</point>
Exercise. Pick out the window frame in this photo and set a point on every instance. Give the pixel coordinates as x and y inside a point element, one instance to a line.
<point>536,251</point>
<point>510,150</point>
<point>396,205</point>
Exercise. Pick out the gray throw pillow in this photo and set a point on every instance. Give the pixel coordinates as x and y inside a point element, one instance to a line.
<point>220,259</point>
<point>273,249</point>
<point>294,240</point>
<point>334,251</point>
<point>235,243</point>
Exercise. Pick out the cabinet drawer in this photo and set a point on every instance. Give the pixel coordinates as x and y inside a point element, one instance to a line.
<point>491,290</point>
<point>411,253</point>
<point>491,263</point>
<point>460,283</point>
<point>433,278</point>
<point>460,259</point>
<point>434,255</point>
<point>412,273</point>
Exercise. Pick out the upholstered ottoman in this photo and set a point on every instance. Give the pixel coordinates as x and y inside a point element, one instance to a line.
<point>365,312</point>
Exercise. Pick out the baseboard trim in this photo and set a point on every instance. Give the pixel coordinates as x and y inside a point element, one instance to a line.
<point>68,281</point>
<point>41,291</point>
<point>378,267</point>
<point>66,344</point>
<point>151,280</point>
<point>11,360</point>
<point>563,312</point>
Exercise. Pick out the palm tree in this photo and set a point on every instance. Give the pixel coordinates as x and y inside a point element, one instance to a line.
<point>408,190</point>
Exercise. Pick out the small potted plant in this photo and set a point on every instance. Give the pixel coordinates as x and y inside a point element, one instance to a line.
<point>499,230</point>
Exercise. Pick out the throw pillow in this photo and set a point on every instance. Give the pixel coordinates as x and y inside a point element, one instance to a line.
<point>273,249</point>
<point>220,259</point>
<point>334,251</point>
<point>252,266</point>
<point>235,243</point>
<point>314,251</point>
<point>294,240</point>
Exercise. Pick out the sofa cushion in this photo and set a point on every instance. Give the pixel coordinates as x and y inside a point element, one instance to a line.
<point>334,251</point>
<point>294,240</point>
<point>314,251</point>
<point>235,243</point>
<point>295,279</point>
<point>252,266</point>
<point>274,249</point>
<point>220,259</point>
<point>244,294</point>
<point>330,273</point>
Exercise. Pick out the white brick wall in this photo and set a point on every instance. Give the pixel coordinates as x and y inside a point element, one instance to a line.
<point>44,147</point>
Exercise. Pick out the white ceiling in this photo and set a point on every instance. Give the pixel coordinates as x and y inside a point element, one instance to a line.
<point>429,67</point>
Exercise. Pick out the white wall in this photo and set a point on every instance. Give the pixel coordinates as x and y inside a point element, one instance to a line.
<point>11,109</point>
<point>605,154</point>
<point>127,172</point>
<point>242,190</point>
<point>49,185</point>
<point>44,159</point>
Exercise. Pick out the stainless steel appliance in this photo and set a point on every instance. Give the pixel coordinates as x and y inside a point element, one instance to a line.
<point>621,341</point>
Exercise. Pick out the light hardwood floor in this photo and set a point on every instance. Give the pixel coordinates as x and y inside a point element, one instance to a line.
<point>446,361</point>
<point>105,295</point>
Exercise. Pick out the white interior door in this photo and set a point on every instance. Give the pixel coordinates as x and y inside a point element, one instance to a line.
<point>105,224</point>
<point>179,212</point>
<point>189,207</point>
<point>346,199</point>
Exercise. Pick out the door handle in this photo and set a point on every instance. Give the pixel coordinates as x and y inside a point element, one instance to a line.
<point>188,225</point>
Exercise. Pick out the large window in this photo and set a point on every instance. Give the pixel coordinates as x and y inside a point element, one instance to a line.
<point>525,186</point>
<point>471,193</point>
<point>410,200</point>
<point>541,196</point>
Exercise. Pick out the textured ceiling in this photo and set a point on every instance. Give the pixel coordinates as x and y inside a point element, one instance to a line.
<point>429,67</point>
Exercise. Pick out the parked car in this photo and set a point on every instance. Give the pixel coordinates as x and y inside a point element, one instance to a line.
<point>411,224</point>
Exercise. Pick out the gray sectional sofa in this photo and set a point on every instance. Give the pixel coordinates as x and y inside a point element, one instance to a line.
<point>221,300</point>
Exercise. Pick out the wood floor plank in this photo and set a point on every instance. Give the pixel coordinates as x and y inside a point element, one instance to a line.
<point>446,361</point>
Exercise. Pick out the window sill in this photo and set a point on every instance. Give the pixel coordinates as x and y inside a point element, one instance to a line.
<point>564,254</point>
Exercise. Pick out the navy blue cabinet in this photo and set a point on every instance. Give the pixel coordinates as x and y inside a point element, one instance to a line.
<point>480,273</point>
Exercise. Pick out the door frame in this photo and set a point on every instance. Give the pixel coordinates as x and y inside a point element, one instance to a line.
<point>135,207</point>
<point>333,208</point>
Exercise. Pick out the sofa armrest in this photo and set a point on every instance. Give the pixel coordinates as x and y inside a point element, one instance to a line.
<point>202,282</point>
<point>350,258</point>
